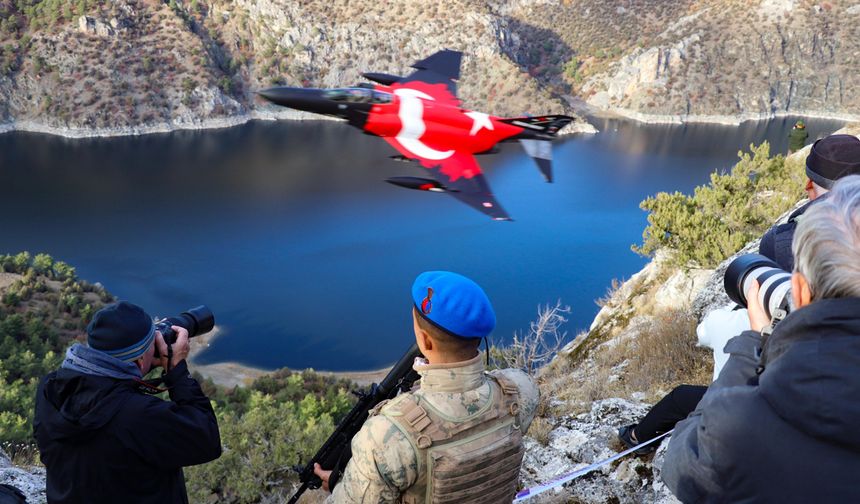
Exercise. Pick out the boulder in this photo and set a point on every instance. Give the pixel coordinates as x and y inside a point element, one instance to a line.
<point>581,440</point>
<point>30,481</point>
<point>92,26</point>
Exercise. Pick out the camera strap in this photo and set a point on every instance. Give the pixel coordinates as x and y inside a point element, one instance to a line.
<point>151,387</point>
<point>169,357</point>
<point>778,315</point>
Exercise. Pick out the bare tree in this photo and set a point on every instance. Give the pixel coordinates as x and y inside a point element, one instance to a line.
<point>535,348</point>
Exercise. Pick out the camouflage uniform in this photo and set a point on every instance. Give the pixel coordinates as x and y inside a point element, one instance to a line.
<point>384,463</point>
<point>797,138</point>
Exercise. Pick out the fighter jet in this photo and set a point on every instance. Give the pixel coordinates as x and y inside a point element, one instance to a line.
<point>421,117</point>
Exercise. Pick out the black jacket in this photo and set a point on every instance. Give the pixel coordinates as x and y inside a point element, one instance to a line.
<point>776,242</point>
<point>789,435</point>
<point>104,441</point>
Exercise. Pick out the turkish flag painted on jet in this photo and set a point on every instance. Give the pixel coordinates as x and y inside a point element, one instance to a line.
<point>421,117</point>
<point>425,122</point>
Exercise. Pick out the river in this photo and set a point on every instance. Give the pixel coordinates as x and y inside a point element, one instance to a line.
<point>288,232</point>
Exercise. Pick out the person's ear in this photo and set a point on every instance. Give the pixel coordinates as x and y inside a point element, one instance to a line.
<point>427,340</point>
<point>811,192</point>
<point>801,295</point>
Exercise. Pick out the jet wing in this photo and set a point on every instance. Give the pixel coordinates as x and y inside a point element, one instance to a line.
<point>442,67</point>
<point>475,192</point>
<point>460,176</point>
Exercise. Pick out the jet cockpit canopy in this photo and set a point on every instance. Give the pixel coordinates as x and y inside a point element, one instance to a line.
<point>357,95</point>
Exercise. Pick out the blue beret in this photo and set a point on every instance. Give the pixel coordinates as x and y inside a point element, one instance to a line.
<point>454,303</point>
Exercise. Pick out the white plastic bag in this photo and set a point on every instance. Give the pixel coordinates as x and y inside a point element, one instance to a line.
<point>718,327</point>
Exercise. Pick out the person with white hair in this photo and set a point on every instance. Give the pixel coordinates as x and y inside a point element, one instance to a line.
<point>783,428</point>
<point>829,159</point>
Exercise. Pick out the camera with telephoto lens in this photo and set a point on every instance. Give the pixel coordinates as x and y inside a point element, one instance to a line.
<point>774,283</point>
<point>196,321</point>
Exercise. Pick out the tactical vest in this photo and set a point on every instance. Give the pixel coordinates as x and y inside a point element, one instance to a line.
<point>472,460</point>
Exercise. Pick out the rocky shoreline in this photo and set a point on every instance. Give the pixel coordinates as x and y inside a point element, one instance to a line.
<point>202,124</point>
<point>233,374</point>
<point>727,120</point>
<point>166,127</point>
<point>295,115</point>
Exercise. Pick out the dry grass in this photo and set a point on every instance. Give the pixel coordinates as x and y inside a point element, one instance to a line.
<point>569,387</point>
<point>540,430</point>
<point>664,354</point>
<point>531,350</point>
<point>611,293</point>
<point>651,355</point>
<point>21,454</point>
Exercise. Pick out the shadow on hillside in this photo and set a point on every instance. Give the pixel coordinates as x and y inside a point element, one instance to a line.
<point>538,51</point>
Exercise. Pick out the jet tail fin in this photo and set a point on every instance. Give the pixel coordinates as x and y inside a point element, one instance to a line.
<point>548,125</point>
<point>541,152</point>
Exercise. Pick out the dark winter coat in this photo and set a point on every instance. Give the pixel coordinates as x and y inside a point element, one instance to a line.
<point>789,435</point>
<point>104,441</point>
<point>776,242</point>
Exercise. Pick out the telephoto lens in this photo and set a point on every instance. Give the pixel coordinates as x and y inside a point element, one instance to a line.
<point>196,321</point>
<point>774,283</point>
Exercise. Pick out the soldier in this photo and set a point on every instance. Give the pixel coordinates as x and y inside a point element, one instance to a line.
<point>456,437</point>
<point>797,137</point>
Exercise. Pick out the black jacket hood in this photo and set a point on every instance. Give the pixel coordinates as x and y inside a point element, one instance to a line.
<point>812,378</point>
<point>77,405</point>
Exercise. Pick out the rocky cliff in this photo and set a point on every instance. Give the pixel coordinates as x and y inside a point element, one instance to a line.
<point>711,60</point>
<point>144,65</point>
<point>730,61</point>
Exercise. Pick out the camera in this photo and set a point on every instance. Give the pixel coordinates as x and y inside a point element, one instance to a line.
<point>196,321</point>
<point>774,284</point>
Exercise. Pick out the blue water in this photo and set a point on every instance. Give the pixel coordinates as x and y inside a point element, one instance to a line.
<point>288,233</point>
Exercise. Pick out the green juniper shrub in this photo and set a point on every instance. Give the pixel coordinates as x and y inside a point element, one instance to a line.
<point>720,218</point>
<point>41,313</point>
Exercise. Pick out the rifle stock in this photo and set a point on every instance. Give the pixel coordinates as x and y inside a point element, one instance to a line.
<point>336,451</point>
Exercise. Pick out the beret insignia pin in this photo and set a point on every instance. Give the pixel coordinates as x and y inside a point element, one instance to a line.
<point>426,304</point>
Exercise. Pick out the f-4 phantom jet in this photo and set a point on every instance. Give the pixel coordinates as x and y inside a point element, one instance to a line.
<point>421,117</point>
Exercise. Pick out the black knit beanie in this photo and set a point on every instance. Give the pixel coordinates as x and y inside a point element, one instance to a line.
<point>832,158</point>
<point>122,330</point>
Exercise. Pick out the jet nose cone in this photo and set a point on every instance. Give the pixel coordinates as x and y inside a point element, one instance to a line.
<point>308,99</point>
<point>281,95</point>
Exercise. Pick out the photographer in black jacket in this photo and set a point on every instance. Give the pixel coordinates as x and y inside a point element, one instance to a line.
<point>829,159</point>
<point>102,437</point>
<point>780,422</point>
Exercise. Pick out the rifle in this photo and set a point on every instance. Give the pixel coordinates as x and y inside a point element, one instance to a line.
<point>336,451</point>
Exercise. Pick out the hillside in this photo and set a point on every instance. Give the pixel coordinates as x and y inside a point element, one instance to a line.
<point>722,60</point>
<point>135,65</point>
<point>92,66</point>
